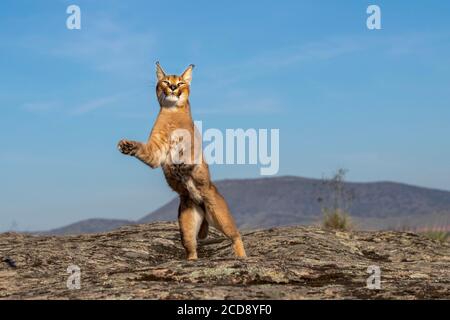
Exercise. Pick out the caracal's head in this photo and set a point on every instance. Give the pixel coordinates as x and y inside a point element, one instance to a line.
<point>172,90</point>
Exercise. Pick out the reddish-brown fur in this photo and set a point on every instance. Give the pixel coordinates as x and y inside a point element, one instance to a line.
<point>201,203</point>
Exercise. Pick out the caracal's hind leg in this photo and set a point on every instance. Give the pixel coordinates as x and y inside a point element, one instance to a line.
<point>190,218</point>
<point>220,217</point>
<point>204,227</point>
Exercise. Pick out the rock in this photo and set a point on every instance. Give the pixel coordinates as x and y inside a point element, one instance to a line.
<point>419,276</point>
<point>147,262</point>
<point>10,262</point>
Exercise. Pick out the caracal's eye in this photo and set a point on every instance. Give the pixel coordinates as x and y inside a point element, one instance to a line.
<point>166,82</point>
<point>179,84</point>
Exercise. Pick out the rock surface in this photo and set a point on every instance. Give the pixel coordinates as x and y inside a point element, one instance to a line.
<point>147,262</point>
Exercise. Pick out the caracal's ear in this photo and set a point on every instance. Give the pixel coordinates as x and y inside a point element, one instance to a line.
<point>159,72</point>
<point>187,74</point>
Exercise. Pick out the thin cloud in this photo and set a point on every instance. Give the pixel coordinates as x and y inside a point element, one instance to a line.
<point>99,103</point>
<point>43,106</point>
<point>294,55</point>
<point>325,49</point>
<point>242,108</point>
<point>315,51</point>
<point>103,46</point>
<point>135,115</point>
<point>80,109</point>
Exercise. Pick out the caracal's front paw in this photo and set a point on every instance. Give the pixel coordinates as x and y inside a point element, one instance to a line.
<point>128,147</point>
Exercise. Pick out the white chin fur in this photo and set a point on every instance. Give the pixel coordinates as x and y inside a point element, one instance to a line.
<point>170,101</point>
<point>171,98</point>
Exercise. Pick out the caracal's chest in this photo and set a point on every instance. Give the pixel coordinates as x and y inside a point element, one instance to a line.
<point>176,153</point>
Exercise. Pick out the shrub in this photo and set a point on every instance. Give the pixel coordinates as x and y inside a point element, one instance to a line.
<point>336,220</point>
<point>440,236</point>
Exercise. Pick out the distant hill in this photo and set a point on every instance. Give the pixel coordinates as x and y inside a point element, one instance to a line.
<point>278,201</point>
<point>89,226</point>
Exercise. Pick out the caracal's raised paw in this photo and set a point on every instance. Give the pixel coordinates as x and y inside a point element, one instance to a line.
<point>128,147</point>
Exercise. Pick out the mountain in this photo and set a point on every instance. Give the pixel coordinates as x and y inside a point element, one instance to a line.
<point>147,261</point>
<point>278,201</point>
<point>89,226</point>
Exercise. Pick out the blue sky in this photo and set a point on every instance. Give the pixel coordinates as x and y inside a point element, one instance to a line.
<point>375,102</point>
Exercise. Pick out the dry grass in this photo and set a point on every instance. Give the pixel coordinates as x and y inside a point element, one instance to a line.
<point>336,220</point>
<point>440,236</point>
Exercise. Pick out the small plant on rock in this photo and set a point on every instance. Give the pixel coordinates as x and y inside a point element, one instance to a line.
<point>336,202</point>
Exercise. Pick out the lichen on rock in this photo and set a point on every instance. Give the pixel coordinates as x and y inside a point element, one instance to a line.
<point>147,262</point>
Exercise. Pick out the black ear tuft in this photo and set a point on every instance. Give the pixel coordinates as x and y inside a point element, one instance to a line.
<point>159,71</point>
